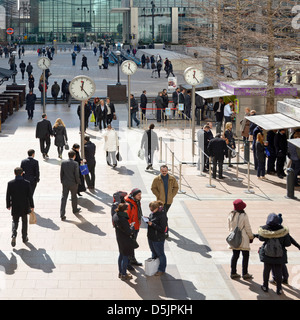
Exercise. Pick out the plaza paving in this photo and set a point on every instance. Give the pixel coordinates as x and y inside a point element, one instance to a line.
<point>77,259</point>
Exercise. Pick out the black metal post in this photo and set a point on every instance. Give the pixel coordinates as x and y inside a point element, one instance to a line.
<point>118,83</point>
<point>152,10</point>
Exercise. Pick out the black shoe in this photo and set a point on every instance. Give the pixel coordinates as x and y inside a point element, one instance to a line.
<point>136,263</point>
<point>77,211</point>
<point>25,240</point>
<point>130,268</point>
<point>148,167</point>
<point>221,177</point>
<point>264,289</point>
<point>63,218</point>
<point>279,292</point>
<point>79,194</point>
<point>13,241</point>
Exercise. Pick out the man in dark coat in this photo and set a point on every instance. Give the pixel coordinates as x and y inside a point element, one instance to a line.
<point>166,102</point>
<point>84,63</point>
<point>19,200</point>
<point>143,104</point>
<point>159,106</point>
<point>30,104</point>
<point>188,104</point>
<point>43,132</point>
<point>55,89</point>
<point>134,108</point>
<point>175,98</point>
<point>272,150</point>
<point>70,179</point>
<point>101,114</point>
<point>31,169</point>
<point>90,151</point>
<point>219,113</point>
<point>217,149</point>
<point>111,111</point>
<point>281,146</point>
<point>22,68</point>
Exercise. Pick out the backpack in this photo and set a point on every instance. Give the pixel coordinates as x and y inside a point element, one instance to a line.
<point>273,248</point>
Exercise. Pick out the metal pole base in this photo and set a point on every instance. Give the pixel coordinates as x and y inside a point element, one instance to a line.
<point>249,191</point>
<point>181,192</point>
<point>210,186</point>
<point>237,179</point>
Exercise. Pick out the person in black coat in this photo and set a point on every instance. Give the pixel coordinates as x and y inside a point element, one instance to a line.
<point>43,132</point>
<point>261,156</point>
<point>256,131</point>
<point>87,113</point>
<point>267,233</point>
<point>159,106</point>
<point>89,152</point>
<point>217,149</point>
<point>22,68</point>
<point>111,111</point>
<point>188,104</point>
<point>30,104</point>
<point>31,169</point>
<point>101,114</point>
<point>175,98</point>
<point>219,114</point>
<point>31,82</point>
<point>20,201</point>
<point>156,234</point>
<point>79,160</point>
<point>84,62</point>
<point>143,104</point>
<point>124,235</point>
<point>281,147</point>
<point>134,108</point>
<point>272,150</point>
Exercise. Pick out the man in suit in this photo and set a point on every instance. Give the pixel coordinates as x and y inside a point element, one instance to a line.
<point>219,113</point>
<point>217,149</point>
<point>70,179</point>
<point>111,111</point>
<point>143,104</point>
<point>44,132</point>
<point>20,201</point>
<point>159,106</point>
<point>281,147</point>
<point>181,99</point>
<point>188,104</point>
<point>89,151</point>
<point>175,98</point>
<point>31,169</point>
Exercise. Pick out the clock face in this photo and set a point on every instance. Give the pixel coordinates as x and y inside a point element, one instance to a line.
<point>193,76</point>
<point>44,63</point>
<point>129,67</point>
<point>82,88</point>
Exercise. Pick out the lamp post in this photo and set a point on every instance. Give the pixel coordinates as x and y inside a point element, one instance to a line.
<point>14,53</point>
<point>152,11</point>
<point>118,53</point>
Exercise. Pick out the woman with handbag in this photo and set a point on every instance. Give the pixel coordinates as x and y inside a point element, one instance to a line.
<point>238,217</point>
<point>157,225</point>
<point>60,134</point>
<point>81,186</point>
<point>124,235</point>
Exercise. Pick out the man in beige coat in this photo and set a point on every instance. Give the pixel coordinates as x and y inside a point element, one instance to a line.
<point>165,188</point>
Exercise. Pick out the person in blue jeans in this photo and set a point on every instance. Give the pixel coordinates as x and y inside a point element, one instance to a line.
<point>156,234</point>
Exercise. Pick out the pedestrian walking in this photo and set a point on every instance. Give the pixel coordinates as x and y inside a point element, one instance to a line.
<point>55,89</point>
<point>239,218</point>
<point>30,104</point>
<point>261,156</point>
<point>124,235</point>
<point>90,160</point>
<point>165,188</point>
<point>134,108</point>
<point>73,57</point>
<point>100,61</point>
<point>69,177</point>
<point>217,149</point>
<point>31,170</point>
<point>280,142</point>
<point>79,160</point>
<point>111,111</point>
<point>31,83</point>
<point>219,114</point>
<point>143,104</point>
<point>170,70</point>
<point>63,89</point>
<point>22,66</point>
<point>19,201</point>
<point>95,51</point>
<point>44,132</point>
<point>101,114</point>
<point>150,144</point>
<point>256,131</point>
<point>60,134</point>
<point>84,63</point>
<point>273,252</point>
<point>135,214</point>
<point>156,234</point>
<point>111,145</point>
<point>29,69</point>
<point>158,68</point>
<point>245,125</point>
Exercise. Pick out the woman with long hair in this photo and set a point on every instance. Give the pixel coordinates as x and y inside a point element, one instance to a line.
<point>260,156</point>
<point>229,141</point>
<point>61,138</point>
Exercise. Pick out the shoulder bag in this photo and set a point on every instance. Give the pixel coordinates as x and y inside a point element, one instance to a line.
<point>234,239</point>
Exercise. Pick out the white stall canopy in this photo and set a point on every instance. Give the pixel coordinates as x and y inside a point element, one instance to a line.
<point>215,93</point>
<point>274,121</point>
<point>295,142</point>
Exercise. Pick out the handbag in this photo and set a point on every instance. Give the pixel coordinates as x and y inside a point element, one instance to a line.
<point>181,107</point>
<point>235,237</point>
<point>118,156</point>
<point>141,154</point>
<point>67,146</point>
<point>32,217</point>
<point>114,117</point>
<point>84,169</point>
<point>151,266</point>
<point>135,245</point>
<point>168,111</point>
<point>93,119</point>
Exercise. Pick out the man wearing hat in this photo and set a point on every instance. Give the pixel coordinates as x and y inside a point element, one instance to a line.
<point>135,216</point>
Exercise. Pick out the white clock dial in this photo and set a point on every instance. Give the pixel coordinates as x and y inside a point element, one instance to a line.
<point>82,88</point>
<point>193,76</point>
<point>129,67</point>
<point>44,63</point>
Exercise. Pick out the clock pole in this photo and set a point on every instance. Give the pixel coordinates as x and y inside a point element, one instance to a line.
<point>129,104</point>
<point>193,120</point>
<point>82,124</point>
<point>44,91</point>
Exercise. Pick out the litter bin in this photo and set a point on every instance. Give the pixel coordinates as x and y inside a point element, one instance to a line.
<point>290,183</point>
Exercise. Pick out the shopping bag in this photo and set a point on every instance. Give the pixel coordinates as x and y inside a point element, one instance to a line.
<point>93,117</point>
<point>118,156</point>
<point>84,169</point>
<point>67,146</point>
<point>141,154</point>
<point>181,107</point>
<point>168,112</point>
<point>151,266</point>
<point>32,218</point>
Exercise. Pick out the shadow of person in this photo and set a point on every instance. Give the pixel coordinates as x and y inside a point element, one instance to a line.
<point>124,171</point>
<point>46,223</point>
<point>9,265</point>
<point>100,196</point>
<point>86,226</point>
<point>36,258</point>
<point>90,206</point>
<point>163,287</point>
<point>53,162</point>
<point>189,245</point>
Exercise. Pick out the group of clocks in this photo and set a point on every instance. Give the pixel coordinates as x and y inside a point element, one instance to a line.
<point>83,87</point>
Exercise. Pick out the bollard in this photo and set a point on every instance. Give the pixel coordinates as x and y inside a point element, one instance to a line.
<point>290,184</point>
<point>247,150</point>
<point>248,190</point>
<point>160,149</point>
<point>210,185</point>
<point>180,178</point>
<point>173,157</point>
